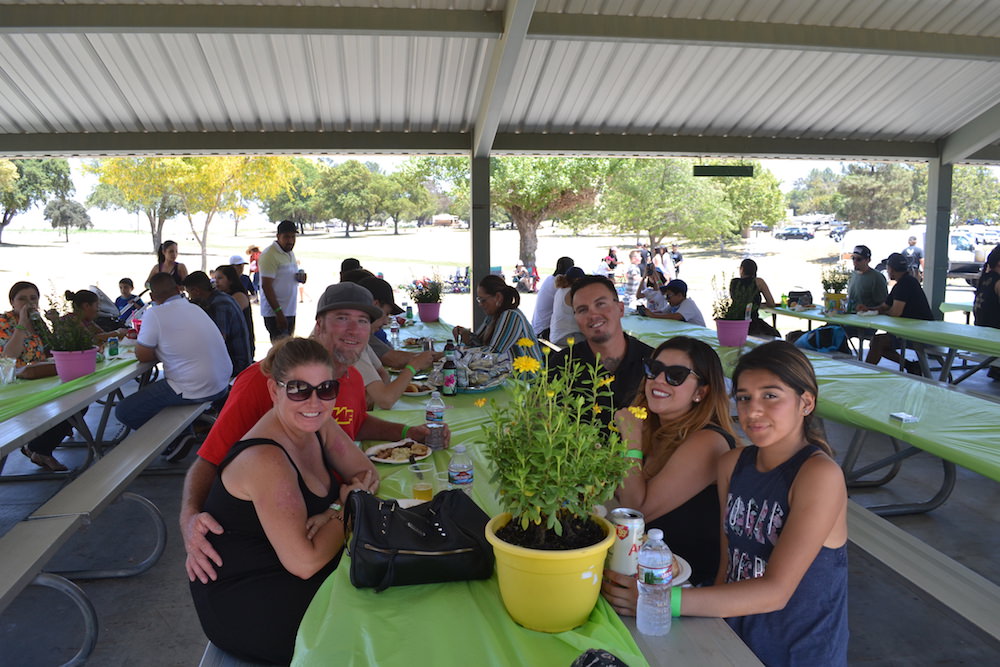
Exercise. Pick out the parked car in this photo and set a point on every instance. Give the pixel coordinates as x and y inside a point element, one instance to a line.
<point>837,232</point>
<point>759,227</point>
<point>794,233</point>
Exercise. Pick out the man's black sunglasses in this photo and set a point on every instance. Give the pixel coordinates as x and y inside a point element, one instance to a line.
<point>675,375</point>
<point>298,390</point>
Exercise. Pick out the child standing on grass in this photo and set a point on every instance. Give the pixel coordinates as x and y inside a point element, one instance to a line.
<point>782,583</point>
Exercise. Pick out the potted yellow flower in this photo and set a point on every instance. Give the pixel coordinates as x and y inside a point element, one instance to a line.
<point>552,463</point>
<point>834,281</point>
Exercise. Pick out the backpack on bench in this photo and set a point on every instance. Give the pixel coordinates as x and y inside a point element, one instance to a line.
<point>829,338</point>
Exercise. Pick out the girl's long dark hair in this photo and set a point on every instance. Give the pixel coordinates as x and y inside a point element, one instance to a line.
<point>793,369</point>
<point>160,257</point>
<point>235,284</point>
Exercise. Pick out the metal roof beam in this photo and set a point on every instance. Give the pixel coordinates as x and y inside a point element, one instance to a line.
<point>455,143</point>
<point>228,143</point>
<point>760,147</point>
<point>978,133</point>
<point>517,17</point>
<point>148,18</point>
<point>763,35</point>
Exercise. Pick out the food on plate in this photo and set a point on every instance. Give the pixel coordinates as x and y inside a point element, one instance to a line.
<point>412,342</point>
<point>401,452</point>
<point>417,388</point>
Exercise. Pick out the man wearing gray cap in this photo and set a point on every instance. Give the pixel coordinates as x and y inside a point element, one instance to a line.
<point>906,299</point>
<point>344,315</point>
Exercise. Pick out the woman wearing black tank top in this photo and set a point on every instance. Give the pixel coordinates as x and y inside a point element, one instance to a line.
<point>273,494</point>
<point>686,430</point>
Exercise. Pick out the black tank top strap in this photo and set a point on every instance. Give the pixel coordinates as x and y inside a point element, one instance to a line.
<point>243,445</point>
<point>730,440</point>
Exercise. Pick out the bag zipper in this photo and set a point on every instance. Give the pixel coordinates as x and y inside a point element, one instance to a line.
<point>411,552</point>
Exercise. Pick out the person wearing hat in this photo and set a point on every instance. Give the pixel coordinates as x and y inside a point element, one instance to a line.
<point>386,302</point>
<point>279,278</point>
<point>344,314</point>
<point>906,299</point>
<point>867,287</point>
<point>681,307</point>
<point>237,262</point>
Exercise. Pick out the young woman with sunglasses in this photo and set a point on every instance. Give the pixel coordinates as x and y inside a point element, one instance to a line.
<point>278,500</point>
<point>686,430</point>
<point>783,587</point>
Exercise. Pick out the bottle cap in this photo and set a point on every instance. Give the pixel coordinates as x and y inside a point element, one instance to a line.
<point>654,534</point>
<point>458,449</point>
<point>435,394</point>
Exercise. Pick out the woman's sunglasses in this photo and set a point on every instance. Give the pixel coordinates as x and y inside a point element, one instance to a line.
<point>297,390</point>
<point>675,375</point>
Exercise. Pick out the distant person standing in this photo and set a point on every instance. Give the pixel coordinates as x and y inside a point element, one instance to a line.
<point>279,278</point>
<point>253,253</point>
<point>676,257</point>
<point>914,258</point>
<point>166,262</point>
<point>541,319</point>
<point>633,276</point>
<point>237,262</point>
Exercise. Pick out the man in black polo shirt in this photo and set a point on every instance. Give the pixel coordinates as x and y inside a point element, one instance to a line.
<point>906,299</point>
<point>598,314</point>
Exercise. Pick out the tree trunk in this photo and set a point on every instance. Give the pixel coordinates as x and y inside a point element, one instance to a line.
<point>155,228</point>
<point>66,228</point>
<point>204,243</point>
<point>8,215</point>
<point>527,227</point>
<point>395,226</point>
<point>347,229</point>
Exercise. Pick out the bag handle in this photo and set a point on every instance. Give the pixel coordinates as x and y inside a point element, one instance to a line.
<point>390,573</point>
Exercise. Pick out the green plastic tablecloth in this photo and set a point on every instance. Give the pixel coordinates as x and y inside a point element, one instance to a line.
<point>456,623</point>
<point>24,395</point>
<point>962,428</point>
<point>983,340</point>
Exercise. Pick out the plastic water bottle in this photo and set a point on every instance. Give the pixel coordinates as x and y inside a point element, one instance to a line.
<point>434,415</point>
<point>460,473</point>
<point>394,333</point>
<point>656,572</point>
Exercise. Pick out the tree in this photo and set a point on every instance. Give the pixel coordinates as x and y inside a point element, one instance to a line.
<point>211,185</point>
<point>529,189</point>
<point>816,193</point>
<point>67,213</point>
<point>348,192</point>
<point>405,195</point>
<point>8,174</point>
<point>301,201</point>
<point>660,197</point>
<point>752,199</point>
<point>975,193</point>
<point>136,185</point>
<point>875,194</point>
<point>37,181</point>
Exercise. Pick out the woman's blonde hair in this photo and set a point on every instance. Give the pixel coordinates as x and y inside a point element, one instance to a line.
<point>793,369</point>
<point>289,353</point>
<point>661,439</point>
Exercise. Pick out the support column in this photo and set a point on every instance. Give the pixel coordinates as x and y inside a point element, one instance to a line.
<point>480,228</point>
<point>938,227</point>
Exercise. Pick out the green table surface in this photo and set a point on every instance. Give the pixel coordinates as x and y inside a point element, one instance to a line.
<point>455,623</point>
<point>965,307</point>
<point>956,426</point>
<point>983,340</point>
<point>24,395</point>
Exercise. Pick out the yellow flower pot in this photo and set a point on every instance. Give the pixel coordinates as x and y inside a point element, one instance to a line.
<point>549,591</point>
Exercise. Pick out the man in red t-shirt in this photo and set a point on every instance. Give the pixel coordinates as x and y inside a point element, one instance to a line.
<point>343,323</point>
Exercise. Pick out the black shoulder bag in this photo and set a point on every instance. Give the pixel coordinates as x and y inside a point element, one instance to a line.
<point>440,540</point>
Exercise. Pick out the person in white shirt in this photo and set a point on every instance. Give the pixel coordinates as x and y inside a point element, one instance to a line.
<point>564,323</point>
<point>196,366</point>
<point>681,307</point>
<point>541,319</point>
<point>279,278</point>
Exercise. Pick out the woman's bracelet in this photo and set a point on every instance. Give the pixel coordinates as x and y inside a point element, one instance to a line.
<point>675,601</point>
<point>409,367</point>
<point>634,454</point>
<point>24,329</point>
<point>402,436</point>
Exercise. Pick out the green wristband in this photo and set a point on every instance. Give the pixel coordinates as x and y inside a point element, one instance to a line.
<point>277,309</point>
<point>24,329</point>
<point>634,454</point>
<point>410,368</point>
<point>403,434</point>
<point>675,601</point>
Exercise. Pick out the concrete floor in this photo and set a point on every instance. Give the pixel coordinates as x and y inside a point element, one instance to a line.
<point>149,620</point>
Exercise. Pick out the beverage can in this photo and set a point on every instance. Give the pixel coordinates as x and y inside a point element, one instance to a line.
<point>113,346</point>
<point>629,526</point>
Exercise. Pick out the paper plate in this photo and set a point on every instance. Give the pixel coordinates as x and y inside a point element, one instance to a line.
<point>483,389</point>
<point>375,449</point>
<point>683,572</point>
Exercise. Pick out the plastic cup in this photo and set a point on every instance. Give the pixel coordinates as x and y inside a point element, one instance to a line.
<point>442,481</point>
<point>422,483</point>
<point>7,370</point>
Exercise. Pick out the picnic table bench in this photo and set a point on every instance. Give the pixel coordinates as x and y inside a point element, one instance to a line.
<point>27,547</point>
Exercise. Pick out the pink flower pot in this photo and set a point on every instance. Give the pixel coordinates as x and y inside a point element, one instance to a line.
<point>72,365</point>
<point>429,312</point>
<point>732,333</point>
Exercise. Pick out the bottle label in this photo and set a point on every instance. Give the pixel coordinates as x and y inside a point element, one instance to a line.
<point>656,575</point>
<point>434,416</point>
<point>450,381</point>
<point>460,477</point>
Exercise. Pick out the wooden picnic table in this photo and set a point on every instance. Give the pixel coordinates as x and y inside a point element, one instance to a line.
<point>920,333</point>
<point>30,407</point>
<point>347,625</point>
